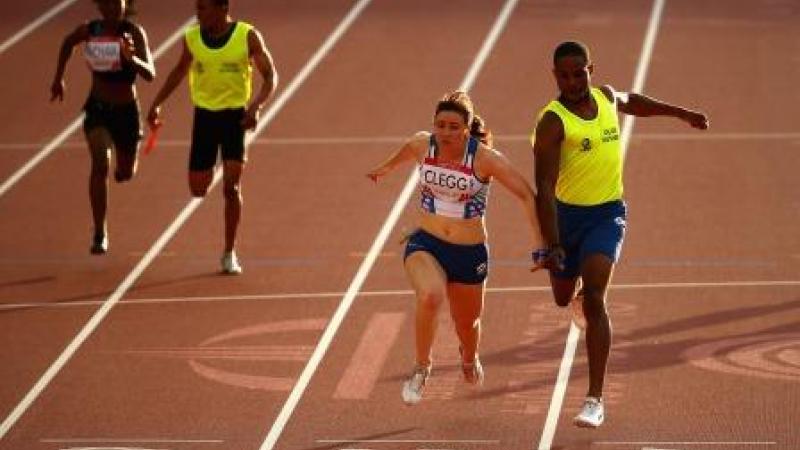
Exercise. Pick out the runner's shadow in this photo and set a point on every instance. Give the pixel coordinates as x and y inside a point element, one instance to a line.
<point>648,351</point>
<point>97,296</point>
<point>27,281</point>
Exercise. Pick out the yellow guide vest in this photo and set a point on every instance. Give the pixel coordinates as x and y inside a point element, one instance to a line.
<point>220,78</point>
<point>590,171</point>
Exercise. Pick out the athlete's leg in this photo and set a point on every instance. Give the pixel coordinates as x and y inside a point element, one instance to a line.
<point>127,161</point>
<point>466,305</point>
<point>199,181</point>
<point>564,289</point>
<point>203,152</point>
<point>231,189</point>
<point>429,282</point>
<point>100,143</point>
<point>596,272</point>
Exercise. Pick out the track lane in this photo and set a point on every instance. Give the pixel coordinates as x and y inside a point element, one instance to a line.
<point>526,335</point>
<point>499,416</point>
<point>292,50</point>
<point>708,368</point>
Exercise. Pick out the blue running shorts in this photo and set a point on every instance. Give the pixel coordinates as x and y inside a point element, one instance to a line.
<point>467,264</point>
<point>586,230</point>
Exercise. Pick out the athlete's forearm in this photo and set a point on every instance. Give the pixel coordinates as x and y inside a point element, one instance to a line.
<point>173,80</point>
<point>546,213</point>
<point>537,239</point>
<point>145,68</point>
<point>264,94</point>
<point>63,56</point>
<point>644,106</point>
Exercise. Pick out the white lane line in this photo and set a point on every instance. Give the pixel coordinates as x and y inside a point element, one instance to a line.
<point>406,441</point>
<point>171,230</point>
<point>128,441</point>
<point>72,127</point>
<point>113,448</point>
<point>381,140</point>
<point>39,21</point>
<point>637,443</point>
<point>390,293</point>
<point>560,389</point>
<point>372,255</point>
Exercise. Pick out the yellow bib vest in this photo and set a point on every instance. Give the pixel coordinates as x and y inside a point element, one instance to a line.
<point>220,78</point>
<point>590,171</point>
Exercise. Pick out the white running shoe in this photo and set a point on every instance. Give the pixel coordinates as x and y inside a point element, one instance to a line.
<point>473,372</point>
<point>415,385</point>
<point>592,414</point>
<point>230,264</point>
<point>576,310</point>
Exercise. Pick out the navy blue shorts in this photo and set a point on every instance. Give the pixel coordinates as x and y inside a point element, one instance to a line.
<point>586,230</point>
<point>467,264</point>
<point>213,131</point>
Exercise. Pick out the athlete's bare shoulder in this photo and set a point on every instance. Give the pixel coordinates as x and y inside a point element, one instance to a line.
<point>418,144</point>
<point>420,139</point>
<point>614,95</point>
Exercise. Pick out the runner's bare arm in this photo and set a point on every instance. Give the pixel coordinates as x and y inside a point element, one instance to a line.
<point>137,51</point>
<point>58,85</point>
<point>492,163</point>
<point>641,105</point>
<point>547,157</point>
<point>265,65</point>
<point>411,150</point>
<point>173,80</point>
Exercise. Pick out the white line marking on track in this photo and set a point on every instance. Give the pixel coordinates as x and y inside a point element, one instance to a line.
<point>637,443</point>
<point>129,441</point>
<point>113,448</point>
<point>51,146</point>
<point>407,441</point>
<point>560,389</point>
<point>394,293</point>
<point>39,21</point>
<point>374,251</point>
<point>171,230</point>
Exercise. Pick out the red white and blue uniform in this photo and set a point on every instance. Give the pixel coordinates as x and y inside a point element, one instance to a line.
<point>452,189</point>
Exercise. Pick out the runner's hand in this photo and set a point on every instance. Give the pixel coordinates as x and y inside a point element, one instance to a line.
<point>127,47</point>
<point>57,90</point>
<point>696,120</point>
<point>250,118</point>
<point>154,116</point>
<point>548,258</point>
<point>376,173</point>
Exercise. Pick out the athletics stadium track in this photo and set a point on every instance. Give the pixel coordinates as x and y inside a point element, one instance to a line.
<point>149,348</point>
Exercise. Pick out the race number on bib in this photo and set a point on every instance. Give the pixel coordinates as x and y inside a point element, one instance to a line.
<point>103,54</point>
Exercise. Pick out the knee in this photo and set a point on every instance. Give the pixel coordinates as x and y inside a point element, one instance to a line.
<point>199,191</point>
<point>430,300</point>
<point>562,299</point>
<point>198,187</point>
<point>123,175</point>
<point>594,303</point>
<point>231,191</point>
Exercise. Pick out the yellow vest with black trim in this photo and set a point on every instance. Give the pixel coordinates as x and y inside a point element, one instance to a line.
<point>220,78</point>
<point>590,170</point>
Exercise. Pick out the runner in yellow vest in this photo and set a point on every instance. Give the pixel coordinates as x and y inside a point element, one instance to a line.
<point>218,53</point>
<point>578,171</point>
